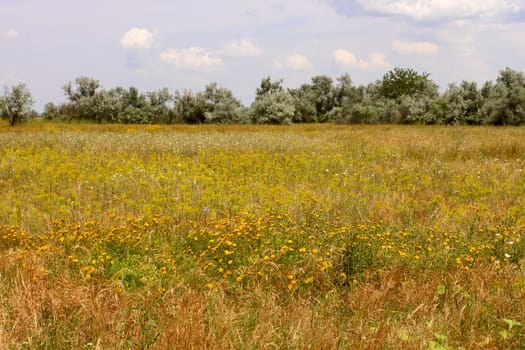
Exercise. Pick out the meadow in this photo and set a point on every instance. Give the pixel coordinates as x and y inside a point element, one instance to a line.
<point>261,237</point>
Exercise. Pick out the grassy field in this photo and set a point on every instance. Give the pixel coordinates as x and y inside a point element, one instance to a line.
<point>259,237</point>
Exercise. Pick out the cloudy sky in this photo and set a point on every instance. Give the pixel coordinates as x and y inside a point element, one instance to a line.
<point>187,44</point>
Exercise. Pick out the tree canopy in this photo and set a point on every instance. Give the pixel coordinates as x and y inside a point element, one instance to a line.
<point>401,82</point>
<point>15,105</point>
<point>403,95</point>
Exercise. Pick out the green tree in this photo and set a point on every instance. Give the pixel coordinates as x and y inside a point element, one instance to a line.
<point>304,103</point>
<point>486,90</point>
<point>313,101</point>
<point>189,107</point>
<point>84,87</point>
<point>140,108</point>
<point>272,104</point>
<point>351,104</point>
<point>504,102</point>
<point>460,104</point>
<point>132,97</point>
<point>407,82</point>
<point>415,110</point>
<point>362,104</point>
<point>102,107</point>
<point>159,106</point>
<point>414,93</point>
<point>15,105</point>
<point>345,93</point>
<point>51,111</point>
<point>268,87</point>
<point>273,108</point>
<point>81,96</point>
<point>220,106</point>
<point>134,115</point>
<point>323,91</point>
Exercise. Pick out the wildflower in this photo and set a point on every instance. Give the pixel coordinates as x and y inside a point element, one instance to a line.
<point>292,283</point>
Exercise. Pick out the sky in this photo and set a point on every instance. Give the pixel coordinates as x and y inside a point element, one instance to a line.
<point>236,43</point>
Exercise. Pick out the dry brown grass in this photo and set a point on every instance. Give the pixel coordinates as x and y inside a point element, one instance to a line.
<point>392,310</point>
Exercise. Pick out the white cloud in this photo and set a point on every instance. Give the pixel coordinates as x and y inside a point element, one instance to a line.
<point>296,62</point>
<point>375,61</point>
<point>241,48</point>
<point>442,9</point>
<point>9,34</point>
<point>414,48</point>
<point>194,58</point>
<point>137,38</point>
<point>345,57</point>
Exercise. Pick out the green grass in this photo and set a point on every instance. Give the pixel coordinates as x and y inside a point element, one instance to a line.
<point>312,236</point>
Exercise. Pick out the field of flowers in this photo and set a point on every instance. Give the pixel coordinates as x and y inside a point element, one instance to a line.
<point>252,237</point>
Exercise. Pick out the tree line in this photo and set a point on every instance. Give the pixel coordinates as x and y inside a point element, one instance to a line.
<point>402,96</point>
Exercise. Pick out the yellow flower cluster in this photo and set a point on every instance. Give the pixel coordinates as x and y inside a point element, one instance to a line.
<point>249,248</point>
<point>297,208</point>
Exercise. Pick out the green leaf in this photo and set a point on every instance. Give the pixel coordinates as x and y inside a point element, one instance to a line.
<point>511,323</point>
<point>504,334</point>
<point>432,345</point>
<point>441,289</point>
<point>442,338</point>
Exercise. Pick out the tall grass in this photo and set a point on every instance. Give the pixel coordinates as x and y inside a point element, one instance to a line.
<point>312,236</point>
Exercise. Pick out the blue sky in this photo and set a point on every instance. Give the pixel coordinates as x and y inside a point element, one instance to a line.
<point>187,44</point>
